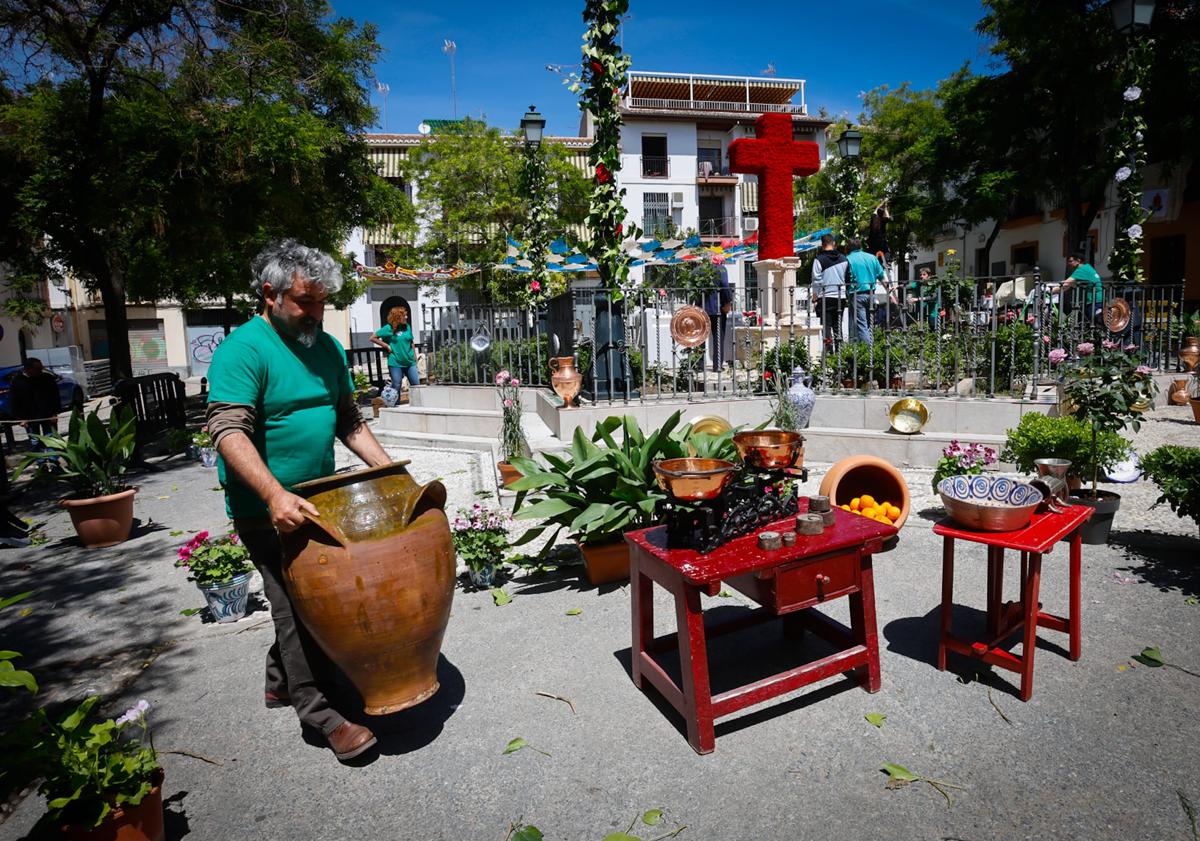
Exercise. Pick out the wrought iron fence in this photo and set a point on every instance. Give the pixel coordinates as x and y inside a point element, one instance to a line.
<point>989,336</point>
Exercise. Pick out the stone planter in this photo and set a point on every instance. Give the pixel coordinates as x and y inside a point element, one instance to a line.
<point>227,599</point>
<point>103,520</point>
<point>1096,530</point>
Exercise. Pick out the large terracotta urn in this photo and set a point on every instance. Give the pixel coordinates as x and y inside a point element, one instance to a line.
<point>372,578</point>
<point>565,379</point>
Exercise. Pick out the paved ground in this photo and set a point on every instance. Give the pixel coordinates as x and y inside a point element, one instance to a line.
<point>1105,749</point>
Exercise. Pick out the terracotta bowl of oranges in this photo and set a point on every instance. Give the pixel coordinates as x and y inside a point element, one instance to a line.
<point>872,479</point>
<point>880,510</point>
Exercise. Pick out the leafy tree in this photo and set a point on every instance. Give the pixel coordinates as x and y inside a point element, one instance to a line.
<point>162,142</point>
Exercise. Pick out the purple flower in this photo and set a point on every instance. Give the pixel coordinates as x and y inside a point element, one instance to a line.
<point>1085,348</point>
<point>1143,369</point>
<point>133,713</point>
<point>1057,355</point>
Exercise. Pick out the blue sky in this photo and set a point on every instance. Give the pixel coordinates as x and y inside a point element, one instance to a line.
<point>503,50</point>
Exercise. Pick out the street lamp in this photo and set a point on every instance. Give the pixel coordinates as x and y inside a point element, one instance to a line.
<point>850,143</point>
<point>531,125</point>
<point>1130,16</point>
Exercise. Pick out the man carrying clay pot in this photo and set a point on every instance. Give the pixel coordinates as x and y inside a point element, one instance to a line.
<point>279,393</point>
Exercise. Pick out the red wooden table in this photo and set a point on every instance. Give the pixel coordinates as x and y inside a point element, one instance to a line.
<point>787,582</point>
<point>1005,618</point>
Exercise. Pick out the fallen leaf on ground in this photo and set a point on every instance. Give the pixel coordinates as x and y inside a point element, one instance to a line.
<point>876,718</point>
<point>652,817</point>
<point>500,597</point>
<point>575,611</point>
<point>1150,656</point>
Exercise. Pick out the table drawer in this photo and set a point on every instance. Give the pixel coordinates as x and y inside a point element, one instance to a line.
<point>809,582</point>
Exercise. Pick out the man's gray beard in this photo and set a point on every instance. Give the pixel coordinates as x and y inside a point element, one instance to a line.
<point>308,338</point>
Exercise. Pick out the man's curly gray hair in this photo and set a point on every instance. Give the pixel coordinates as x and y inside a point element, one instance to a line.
<point>280,262</point>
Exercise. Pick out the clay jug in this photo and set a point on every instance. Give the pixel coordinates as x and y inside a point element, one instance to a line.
<point>565,379</point>
<point>1189,353</point>
<point>372,578</point>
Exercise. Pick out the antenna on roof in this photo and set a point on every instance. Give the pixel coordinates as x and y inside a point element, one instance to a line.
<point>770,69</point>
<point>450,48</point>
<point>384,88</point>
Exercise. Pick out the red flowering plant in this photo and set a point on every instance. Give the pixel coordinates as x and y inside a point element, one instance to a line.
<point>211,560</point>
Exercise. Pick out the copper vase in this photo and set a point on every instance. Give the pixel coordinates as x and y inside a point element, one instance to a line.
<point>1189,353</point>
<point>372,578</point>
<point>1178,394</point>
<point>565,378</point>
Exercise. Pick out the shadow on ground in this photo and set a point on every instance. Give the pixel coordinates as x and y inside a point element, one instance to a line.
<point>1170,562</point>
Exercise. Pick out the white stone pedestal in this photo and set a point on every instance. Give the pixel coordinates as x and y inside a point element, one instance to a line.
<point>777,290</point>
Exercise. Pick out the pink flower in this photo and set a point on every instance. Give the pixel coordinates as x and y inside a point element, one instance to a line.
<point>1085,348</point>
<point>1029,319</point>
<point>535,285</point>
<point>508,404</point>
<point>1045,340</point>
<point>1130,347</point>
<point>1143,369</point>
<point>185,552</point>
<point>662,293</point>
<point>1107,345</point>
<point>1057,355</point>
<point>1010,316</point>
<point>515,381</point>
<point>201,537</point>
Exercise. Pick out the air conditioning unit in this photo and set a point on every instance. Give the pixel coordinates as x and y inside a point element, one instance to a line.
<point>749,223</point>
<point>676,199</point>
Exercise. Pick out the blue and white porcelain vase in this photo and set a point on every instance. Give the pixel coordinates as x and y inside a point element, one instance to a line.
<point>208,456</point>
<point>482,577</point>
<point>801,396</point>
<point>227,599</point>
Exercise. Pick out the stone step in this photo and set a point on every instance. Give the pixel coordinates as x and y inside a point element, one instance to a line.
<point>824,444</point>
<point>441,421</point>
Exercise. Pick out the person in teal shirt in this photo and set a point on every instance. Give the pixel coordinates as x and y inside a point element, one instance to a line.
<point>1083,274</point>
<point>396,337</point>
<point>866,271</point>
<point>279,394</point>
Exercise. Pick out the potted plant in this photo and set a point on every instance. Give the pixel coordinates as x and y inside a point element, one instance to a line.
<point>203,443</point>
<point>512,436</point>
<point>221,568</point>
<point>100,780</point>
<point>1176,471</point>
<point>1104,386</point>
<point>480,539</point>
<point>600,490</point>
<point>93,457</point>
<point>958,460</point>
<point>1039,436</point>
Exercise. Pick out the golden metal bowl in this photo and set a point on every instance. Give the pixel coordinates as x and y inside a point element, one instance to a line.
<point>710,425</point>
<point>770,449</point>
<point>908,416</point>
<point>693,479</point>
<point>690,326</point>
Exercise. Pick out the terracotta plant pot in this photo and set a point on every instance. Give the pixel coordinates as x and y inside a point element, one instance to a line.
<point>860,475</point>
<point>508,473</point>
<point>565,379</point>
<point>1189,353</point>
<point>372,579</point>
<point>102,520</point>
<point>1096,530</point>
<point>606,562</point>
<point>143,822</point>
<point>1195,404</point>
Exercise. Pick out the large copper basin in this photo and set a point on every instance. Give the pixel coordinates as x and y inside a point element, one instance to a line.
<point>694,479</point>
<point>771,449</point>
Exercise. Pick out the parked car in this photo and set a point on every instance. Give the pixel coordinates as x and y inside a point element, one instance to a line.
<point>69,391</point>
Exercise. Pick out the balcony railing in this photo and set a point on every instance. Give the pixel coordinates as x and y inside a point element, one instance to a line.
<point>725,226</point>
<point>656,166</point>
<point>711,105</point>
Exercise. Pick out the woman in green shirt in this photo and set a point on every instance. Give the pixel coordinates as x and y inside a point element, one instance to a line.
<point>396,337</point>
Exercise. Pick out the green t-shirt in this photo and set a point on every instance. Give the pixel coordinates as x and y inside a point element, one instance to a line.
<point>1086,276</point>
<point>295,393</point>
<point>401,344</point>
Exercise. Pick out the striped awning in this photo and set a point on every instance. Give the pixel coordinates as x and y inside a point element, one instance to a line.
<point>749,196</point>
<point>389,159</point>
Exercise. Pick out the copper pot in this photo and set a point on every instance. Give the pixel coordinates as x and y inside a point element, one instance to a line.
<point>693,479</point>
<point>1178,394</point>
<point>1189,354</point>
<point>372,578</point>
<point>772,449</point>
<point>565,379</point>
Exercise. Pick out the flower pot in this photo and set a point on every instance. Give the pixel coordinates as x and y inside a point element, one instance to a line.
<point>606,562</point>
<point>1178,394</point>
<point>482,577</point>
<point>227,599</point>
<point>102,520</point>
<point>372,579</point>
<point>208,456</point>
<point>508,473</point>
<point>1189,353</point>
<point>143,822</point>
<point>1195,404</point>
<point>860,475</point>
<point>1095,531</point>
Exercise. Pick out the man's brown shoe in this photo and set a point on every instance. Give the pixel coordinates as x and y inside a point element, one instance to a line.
<point>276,700</point>
<point>348,740</point>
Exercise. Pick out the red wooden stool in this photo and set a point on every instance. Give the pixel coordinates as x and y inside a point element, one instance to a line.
<point>1005,619</point>
<point>787,582</point>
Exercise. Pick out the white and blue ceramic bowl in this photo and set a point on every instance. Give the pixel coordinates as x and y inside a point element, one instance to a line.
<point>989,503</point>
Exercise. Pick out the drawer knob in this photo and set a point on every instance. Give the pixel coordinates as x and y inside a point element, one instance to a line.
<point>822,579</point>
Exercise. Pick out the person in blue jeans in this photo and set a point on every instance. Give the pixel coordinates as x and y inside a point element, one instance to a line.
<point>866,271</point>
<point>396,337</point>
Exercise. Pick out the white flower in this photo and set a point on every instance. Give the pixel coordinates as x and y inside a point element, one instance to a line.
<point>1138,136</point>
<point>1123,173</point>
<point>133,713</point>
<point>1134,232</point>
<point>1133,93</point>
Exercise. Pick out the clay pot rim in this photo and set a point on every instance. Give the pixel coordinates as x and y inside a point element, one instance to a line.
<point>78,502</point>
<point>337,480</point>
<point>157,778</point>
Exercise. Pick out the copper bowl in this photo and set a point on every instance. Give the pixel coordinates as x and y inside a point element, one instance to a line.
<point>692,479</point>
<point>771,449</point>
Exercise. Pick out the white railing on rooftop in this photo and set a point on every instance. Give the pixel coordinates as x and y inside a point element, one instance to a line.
<point>711,105</point>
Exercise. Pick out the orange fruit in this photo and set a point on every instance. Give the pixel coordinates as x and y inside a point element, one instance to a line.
<point>887,521</point>
<point>892,511</point>
<point>868,501</point>
<point>845,507</point>
<point>855,503</point>
<point>868,512</point>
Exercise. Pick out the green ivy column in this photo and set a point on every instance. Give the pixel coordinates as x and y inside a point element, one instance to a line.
<point>1129,157</point>
<point>538,226</point>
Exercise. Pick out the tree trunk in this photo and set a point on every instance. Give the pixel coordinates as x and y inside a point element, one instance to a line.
<point>991,240</point>
<point>228,325</point>
<point>116,322</point>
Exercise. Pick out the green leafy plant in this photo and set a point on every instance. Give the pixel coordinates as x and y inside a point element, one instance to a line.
<point>1176,471</point>
<point>214,561</point>
<point>479,537</point>
<point>203,439</point>
<point>783,412</point>
<point>602,488</point>
<point>94,455</point>
<point>783,359</point>
<point>1040,436</point>
<point>360,381</point>
<point>1102,387</point>
<point>512,436</point>
<point>10,675</point>
<point>87,770</point>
